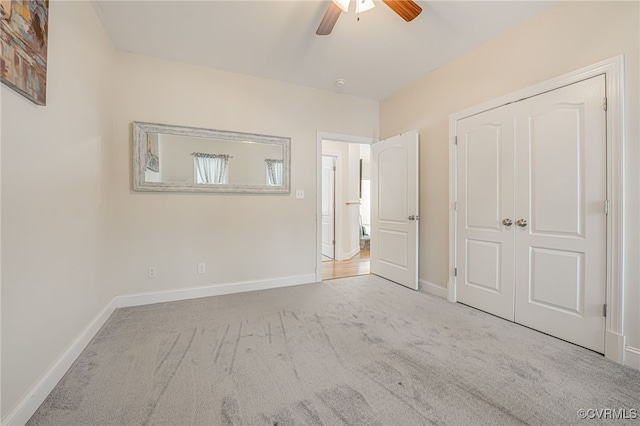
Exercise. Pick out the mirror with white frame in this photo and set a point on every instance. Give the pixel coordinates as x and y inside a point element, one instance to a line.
<point>190,159</point>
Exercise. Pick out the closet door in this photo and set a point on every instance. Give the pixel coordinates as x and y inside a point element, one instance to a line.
<point>560,222</point>
<point>485,209</point>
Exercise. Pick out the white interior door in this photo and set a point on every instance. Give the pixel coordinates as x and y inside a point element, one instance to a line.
<point>561,190</point>
<point>485,212</point>
<point>394,209</point>
<point>328,206</point>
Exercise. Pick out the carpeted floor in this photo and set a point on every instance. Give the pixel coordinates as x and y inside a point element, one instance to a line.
<point>357,351</point>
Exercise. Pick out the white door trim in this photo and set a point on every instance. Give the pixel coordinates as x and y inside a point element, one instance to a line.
<point>613,69</point>
<point>335,137</point>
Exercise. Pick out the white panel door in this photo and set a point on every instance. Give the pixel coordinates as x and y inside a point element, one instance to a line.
<point>485,235</point>
<point>394,209</point>
<point>328,206</point>
<point>561,223</point>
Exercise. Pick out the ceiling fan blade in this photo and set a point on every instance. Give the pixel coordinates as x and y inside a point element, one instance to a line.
<point>407,9</point>
<point>329,19</point>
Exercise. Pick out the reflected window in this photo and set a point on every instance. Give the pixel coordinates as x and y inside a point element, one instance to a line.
<point>211,168</point>
<point>274,172</point>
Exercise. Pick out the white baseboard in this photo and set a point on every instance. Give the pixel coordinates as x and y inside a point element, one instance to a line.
<point>435,289</point>
<point>632,357</point>
<point>350,254</point>
<point>614,347</point>
<point>213,290</point>
<point>23,411</point>
<point>39,392</point>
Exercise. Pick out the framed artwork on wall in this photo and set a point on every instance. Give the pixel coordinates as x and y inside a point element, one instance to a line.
<point>24,27</point>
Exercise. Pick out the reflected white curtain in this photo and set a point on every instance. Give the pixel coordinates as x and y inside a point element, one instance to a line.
<point>274,172</point>
<point>211,168</point>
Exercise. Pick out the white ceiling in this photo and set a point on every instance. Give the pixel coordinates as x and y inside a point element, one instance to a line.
<point>377,55</point>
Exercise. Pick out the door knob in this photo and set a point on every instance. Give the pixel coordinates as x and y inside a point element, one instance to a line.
<point>412,217</point>
<point>521,223</point>
<point>507,222</point>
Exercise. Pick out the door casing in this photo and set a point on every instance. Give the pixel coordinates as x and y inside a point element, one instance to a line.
<point>613,69</point>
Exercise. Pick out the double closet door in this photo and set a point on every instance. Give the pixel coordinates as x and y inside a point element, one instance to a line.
<point>531,212</point>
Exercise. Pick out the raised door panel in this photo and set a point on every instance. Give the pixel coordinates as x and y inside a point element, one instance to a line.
<point>483,265</point>
<point>557,170</point>
<point>392,185</point>
<point>557,280</point>
<point>483,148</point>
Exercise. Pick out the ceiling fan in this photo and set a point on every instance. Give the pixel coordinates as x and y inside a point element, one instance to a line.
<point>406,9</point>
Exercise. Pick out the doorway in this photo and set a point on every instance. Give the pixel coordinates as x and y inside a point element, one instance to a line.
<point>345,209</point>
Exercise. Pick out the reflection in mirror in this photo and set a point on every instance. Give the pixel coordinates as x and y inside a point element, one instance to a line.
<point>176,158</point>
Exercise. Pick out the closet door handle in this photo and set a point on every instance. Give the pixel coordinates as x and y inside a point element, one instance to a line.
<point>521,223</point>
<point>507,222</point>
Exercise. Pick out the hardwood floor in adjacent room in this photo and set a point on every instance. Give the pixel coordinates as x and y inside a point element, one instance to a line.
<point>357,265</point>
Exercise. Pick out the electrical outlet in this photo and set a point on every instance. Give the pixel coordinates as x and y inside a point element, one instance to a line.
<point>152,272</point>
<point>202,268</point>
<point>300,194</point>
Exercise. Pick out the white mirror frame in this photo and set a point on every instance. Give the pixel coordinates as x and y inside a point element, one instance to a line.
<point>142,129</point>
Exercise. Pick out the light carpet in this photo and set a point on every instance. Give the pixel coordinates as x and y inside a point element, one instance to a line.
<point>355,351</point>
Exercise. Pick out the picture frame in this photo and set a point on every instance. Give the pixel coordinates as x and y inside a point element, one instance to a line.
<point>24,28</point>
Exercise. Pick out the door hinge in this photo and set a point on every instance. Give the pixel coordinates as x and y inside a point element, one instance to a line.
<point>334,168</point>
<point>606,206</point>
<point>604,103</point>
<point>455,140</point>
<point>604,310</point>
<point>333,242</point>
<point>455,205</point>
<point>455,272</point>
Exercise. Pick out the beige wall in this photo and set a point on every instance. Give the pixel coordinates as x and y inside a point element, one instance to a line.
<point>564,38</point>
<point>74,234</point>
<point>54,202</point>
<point>240,237</point>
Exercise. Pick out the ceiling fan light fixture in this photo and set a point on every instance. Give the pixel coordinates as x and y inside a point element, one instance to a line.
<point>343,4</point>
<point>406,9</point>
<point>364,5</point>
